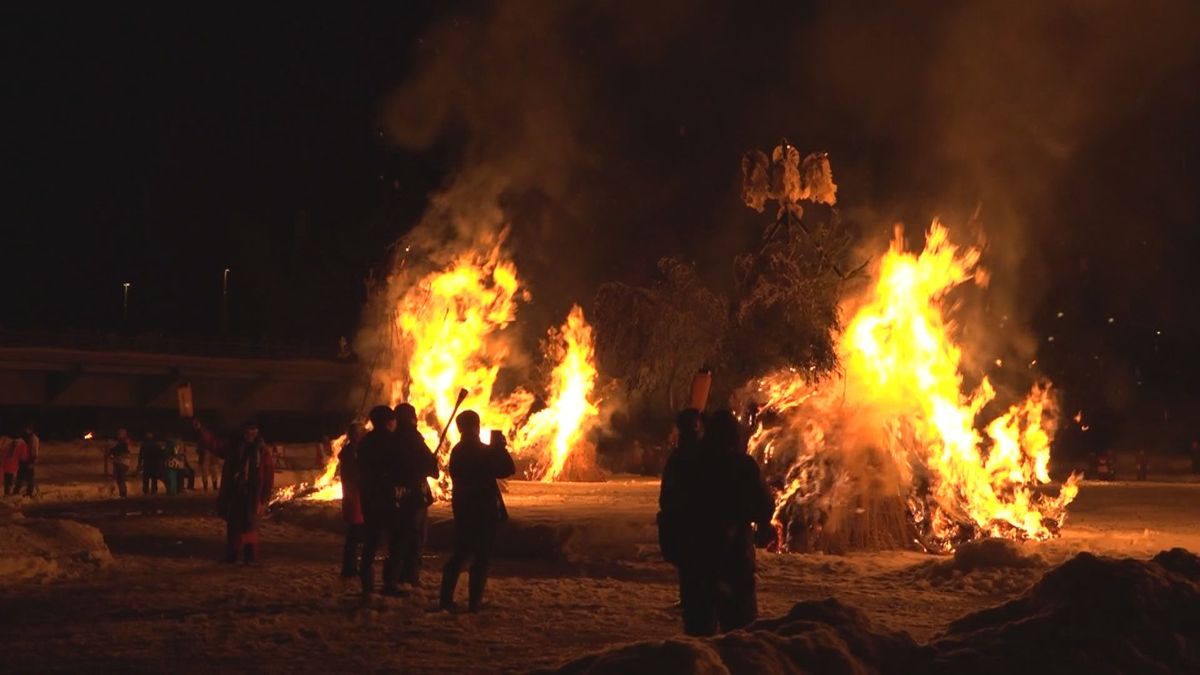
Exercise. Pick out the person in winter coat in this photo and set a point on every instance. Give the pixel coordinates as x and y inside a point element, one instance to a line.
<point>12,452</point>
<point>689,429</point>
<point>179,473</point>
<point>716,496</point>
<point>209,450</point>
<point>246,484</point>
<point>118,455</point>
<point>477,505</point>
<point>420,464</point>
<point>386,484</point>
<point>352,511</point>
<point>151,460</point>
<point>25,471</point>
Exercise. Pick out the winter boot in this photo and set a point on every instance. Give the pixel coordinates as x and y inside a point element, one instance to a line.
<point>449,581</point>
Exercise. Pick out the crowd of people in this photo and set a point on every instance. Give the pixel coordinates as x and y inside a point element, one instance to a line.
<point>714,505</point>
<point>386,495</point>
<point>164,463</point>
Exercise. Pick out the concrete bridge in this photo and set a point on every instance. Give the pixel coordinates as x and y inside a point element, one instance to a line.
<point>43,380</point>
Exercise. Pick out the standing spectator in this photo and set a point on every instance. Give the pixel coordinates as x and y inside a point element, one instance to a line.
<point>477,505</point>
<point>25,472</point>
<point>176,468</point>
<point>713,495</point>
<point>209,451</point>
<point>118,454</point>
<point>12,451</point>
<point>419,465</point>
<point>150,464</point>
<point>352,511</point>
<point>380,462</point>
<point>246,483</point>
<point>1143,463</point>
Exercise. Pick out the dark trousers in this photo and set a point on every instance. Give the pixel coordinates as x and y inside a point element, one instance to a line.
<point>119,471</point>
<point>350,550</point>
<point>718,591</point>
<point>25,477</point>
<point>9,479</point>
<point>150,481</point>
<point>472,542</point>
<point>380,526</point>
<point>187,478</point>
<point>414,524</point>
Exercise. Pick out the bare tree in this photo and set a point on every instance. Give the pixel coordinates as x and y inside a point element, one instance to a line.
<point>654,339</point>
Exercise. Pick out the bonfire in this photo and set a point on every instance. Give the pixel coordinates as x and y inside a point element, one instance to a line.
<point>446,334</point>
<point>890,451</point>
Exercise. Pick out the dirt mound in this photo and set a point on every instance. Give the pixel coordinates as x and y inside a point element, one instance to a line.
<point>984,567</point>
<point>1090,614</point>
<point>1093,614</point>
<point>43,549</point>
<point>814,637</point>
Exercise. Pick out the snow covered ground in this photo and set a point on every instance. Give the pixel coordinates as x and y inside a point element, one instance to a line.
<point>579,573</point>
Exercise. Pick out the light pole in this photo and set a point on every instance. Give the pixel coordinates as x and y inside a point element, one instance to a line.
<point>225,301</point>
<point>125,302</point>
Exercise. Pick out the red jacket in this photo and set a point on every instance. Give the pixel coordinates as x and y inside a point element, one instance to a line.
<point>352,511</point>
<point>14,454</point>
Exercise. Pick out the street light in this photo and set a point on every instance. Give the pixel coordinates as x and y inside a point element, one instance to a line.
<point>125,301</point>
<point>225,301</point>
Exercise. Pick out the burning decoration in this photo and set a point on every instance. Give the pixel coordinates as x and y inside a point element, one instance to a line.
<point>446,334</point>
<point>891,450</point>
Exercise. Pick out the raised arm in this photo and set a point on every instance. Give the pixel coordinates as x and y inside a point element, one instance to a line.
<point>502,461</point>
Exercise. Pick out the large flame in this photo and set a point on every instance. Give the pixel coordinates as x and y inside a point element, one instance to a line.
<point>554,432</point>
<point>446,334</point>
<point>901,395</point>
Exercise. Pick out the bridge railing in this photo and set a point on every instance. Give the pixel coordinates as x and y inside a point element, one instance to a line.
<point>159,343</point>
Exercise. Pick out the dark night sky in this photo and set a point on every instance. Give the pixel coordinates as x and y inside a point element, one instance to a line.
<point>292,147</point>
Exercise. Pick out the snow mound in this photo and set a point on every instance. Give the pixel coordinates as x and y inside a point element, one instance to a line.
<point>44,549</point>
<point>818,637</point>
<point>983,567</point>
<point>1090,614</point>
<point>579,540</point>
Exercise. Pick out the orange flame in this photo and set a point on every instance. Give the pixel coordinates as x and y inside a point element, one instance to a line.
<point>447,334</point>
<point>553,433</point>
<point>901,391</point>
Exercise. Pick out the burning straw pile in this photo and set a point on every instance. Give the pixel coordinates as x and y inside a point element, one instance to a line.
<point>888,453</point>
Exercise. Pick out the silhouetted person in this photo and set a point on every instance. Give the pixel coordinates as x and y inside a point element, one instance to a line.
<point>380,461</point>
<point>477,505</point>
<point>247,480</point>
<point>420,464</point>
<point>15,451</point>
<point>713,495</point>
<point>25,472</point>
<point>119,455</point>
<point>209,450</point>
<point>1143,463</point>
<point>689,429</point>
<point>151,460</point>
<point>352,511</point>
